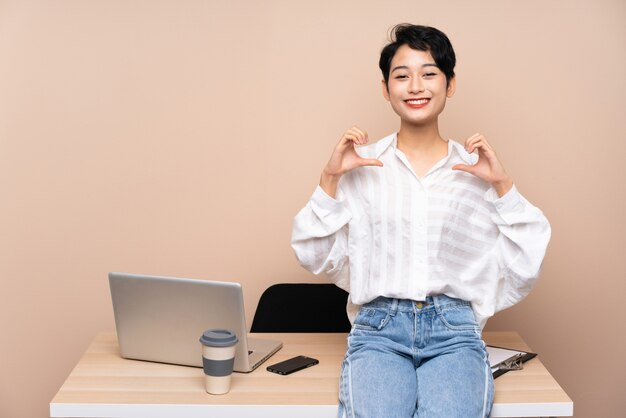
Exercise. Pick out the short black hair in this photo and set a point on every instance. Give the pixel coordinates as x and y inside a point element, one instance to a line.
<point>420,38</point>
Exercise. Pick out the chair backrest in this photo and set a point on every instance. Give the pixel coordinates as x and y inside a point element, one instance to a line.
<point>302,307</point>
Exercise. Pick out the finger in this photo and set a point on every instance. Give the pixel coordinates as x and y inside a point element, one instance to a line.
<point>481,144</point>
<point>484,143</point>
<point>484,148</point>
<point>360,136</point>
<point>349,137</point>
<point>353,136</point>
<point>464,167</point>
<point>370,162</point>
<point>362,133</point>
<point>473,144</point>
<point>470,143</point>
<point>470,140</point>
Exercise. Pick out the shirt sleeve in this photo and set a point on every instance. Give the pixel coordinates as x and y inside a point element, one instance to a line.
<point>521,246</point>
<point>320,236</point>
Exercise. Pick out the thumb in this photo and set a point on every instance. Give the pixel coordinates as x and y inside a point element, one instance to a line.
<point>370,162</point>
<point>464,167</point>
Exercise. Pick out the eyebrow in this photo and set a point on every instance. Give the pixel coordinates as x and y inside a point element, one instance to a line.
<point>404,67</point>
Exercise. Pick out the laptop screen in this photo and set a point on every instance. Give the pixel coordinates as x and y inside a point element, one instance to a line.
<point>161,318</point>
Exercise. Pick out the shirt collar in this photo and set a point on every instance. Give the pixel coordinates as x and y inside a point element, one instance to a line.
<point>467,158</point>
<point>453,146</point>
<point>386,142</point>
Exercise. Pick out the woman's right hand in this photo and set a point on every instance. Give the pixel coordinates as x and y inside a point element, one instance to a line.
<point>345,158</point>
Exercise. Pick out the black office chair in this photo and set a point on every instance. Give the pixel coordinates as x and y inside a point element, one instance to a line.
<point>302,307</point>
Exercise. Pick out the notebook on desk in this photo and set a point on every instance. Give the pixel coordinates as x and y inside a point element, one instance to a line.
<point>162,318</point>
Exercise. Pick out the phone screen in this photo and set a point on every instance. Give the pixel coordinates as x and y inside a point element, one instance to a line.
<point>292,365</point>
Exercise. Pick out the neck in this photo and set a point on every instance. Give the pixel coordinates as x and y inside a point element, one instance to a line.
<point>421,139</point>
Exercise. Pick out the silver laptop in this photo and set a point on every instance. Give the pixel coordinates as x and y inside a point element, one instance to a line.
<point>162,318</point>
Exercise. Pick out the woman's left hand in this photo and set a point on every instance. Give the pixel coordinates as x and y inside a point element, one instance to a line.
<point>488,167</point>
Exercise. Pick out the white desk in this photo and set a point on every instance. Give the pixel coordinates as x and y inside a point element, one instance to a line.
<point>104,385</point>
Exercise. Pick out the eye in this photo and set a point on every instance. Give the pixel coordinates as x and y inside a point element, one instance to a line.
<point>430,74</point>
<point>401,76</point>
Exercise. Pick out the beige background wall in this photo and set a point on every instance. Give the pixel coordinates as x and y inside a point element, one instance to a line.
<point>181,137</point>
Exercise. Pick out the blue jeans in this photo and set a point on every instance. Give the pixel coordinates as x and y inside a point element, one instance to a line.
<point>407,359</point>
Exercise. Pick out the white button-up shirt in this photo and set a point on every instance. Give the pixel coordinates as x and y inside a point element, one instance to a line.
<point>390,233</point>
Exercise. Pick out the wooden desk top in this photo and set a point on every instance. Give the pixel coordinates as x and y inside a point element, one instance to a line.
<point>105,385</point>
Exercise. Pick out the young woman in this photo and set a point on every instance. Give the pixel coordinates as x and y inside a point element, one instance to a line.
<point>430,237</point>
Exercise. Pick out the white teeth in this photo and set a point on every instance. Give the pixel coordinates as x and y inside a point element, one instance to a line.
<point>417,102</point>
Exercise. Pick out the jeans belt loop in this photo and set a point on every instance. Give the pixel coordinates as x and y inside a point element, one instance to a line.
<point>394,307</point>
<point>437,303</point>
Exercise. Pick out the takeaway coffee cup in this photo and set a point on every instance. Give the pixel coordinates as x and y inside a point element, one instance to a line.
<point>218,358</point>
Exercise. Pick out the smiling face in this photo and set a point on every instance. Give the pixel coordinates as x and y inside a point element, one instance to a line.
<point>417,88</point>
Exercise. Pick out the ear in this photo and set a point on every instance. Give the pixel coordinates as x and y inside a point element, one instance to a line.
<point>385,90</point>
<point>451,87</point>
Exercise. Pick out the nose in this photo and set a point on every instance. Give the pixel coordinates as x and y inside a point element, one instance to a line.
<point>416,85</point>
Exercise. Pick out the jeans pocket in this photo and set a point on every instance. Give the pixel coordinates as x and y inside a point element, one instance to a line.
<point>459,318</point>
<point>371,319</point>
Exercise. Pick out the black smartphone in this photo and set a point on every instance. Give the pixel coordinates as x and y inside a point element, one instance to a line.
<point>292,365</point>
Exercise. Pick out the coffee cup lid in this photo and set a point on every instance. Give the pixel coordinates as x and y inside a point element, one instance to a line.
<point>218,338</point>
